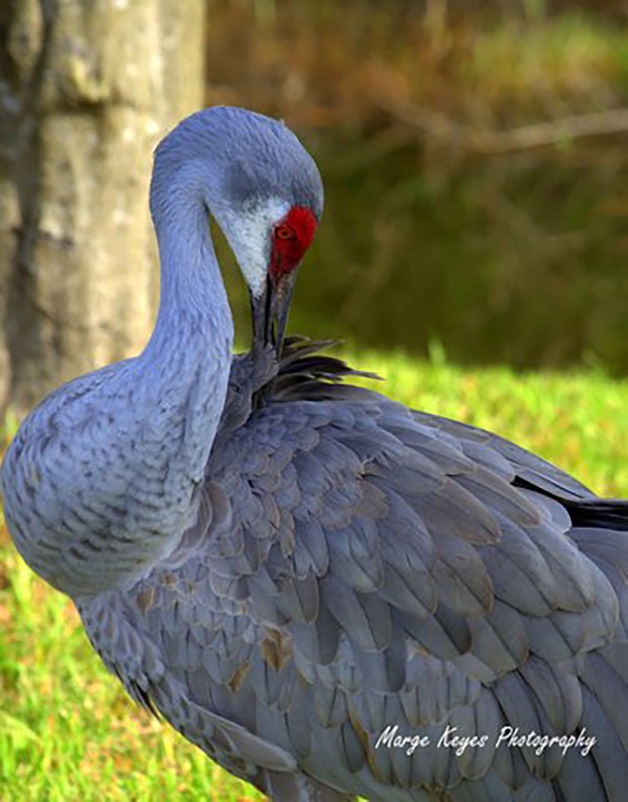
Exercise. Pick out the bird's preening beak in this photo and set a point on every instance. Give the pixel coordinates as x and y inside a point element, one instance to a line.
<point>270,310</point>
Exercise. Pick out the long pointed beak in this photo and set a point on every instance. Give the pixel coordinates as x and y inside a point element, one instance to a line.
<point>270,311</point>
<point>282,300</point>
<point>260,315</point>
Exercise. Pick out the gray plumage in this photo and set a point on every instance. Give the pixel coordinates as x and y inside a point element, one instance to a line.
<point>284,565</point>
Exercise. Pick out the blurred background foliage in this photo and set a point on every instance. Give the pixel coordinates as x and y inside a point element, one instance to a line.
<point>475,160</point>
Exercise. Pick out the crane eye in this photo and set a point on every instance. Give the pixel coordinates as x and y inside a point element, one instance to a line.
<point>284,231</point>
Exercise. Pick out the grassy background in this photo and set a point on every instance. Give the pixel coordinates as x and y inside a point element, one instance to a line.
<point>68,732</point>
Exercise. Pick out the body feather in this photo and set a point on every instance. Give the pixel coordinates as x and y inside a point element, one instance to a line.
<point>382,567</point>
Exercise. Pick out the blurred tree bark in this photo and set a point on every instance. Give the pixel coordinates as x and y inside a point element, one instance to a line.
<point>87,87</point>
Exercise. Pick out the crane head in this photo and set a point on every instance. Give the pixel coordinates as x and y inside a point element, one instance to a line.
<point>277,197</point>
<point>264,191</point>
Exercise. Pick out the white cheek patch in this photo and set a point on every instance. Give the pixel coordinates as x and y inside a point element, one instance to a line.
<point>249,238</point>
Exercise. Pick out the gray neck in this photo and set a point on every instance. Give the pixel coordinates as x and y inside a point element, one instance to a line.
<point>144,428</point>
<point>183,373</point>
<point>188,357</point>
<point>182,376</point>
<point>193,299</point>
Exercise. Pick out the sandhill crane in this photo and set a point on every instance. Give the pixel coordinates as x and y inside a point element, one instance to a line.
<point>330,594</point>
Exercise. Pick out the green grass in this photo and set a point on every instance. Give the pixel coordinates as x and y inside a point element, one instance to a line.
<point>67,731</point>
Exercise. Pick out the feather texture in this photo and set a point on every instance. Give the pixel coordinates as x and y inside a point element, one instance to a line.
<point>328,593</point>
<point>382,581</point>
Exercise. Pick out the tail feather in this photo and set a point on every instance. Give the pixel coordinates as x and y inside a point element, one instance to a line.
<point>599,513</point>
<point>610,689</point>
<point>282,787</point>
<point>608,549</point>
<point>608,753</point>
<point>579,779</point>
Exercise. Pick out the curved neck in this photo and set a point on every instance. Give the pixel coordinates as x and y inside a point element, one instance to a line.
<point>194,312</point>
<point>145,428</point>
<point>189,353</point>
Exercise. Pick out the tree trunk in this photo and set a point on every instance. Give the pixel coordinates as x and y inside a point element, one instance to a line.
<point>87,88</point>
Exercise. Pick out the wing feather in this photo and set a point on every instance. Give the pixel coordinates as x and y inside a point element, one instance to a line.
<point>355,565</point>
